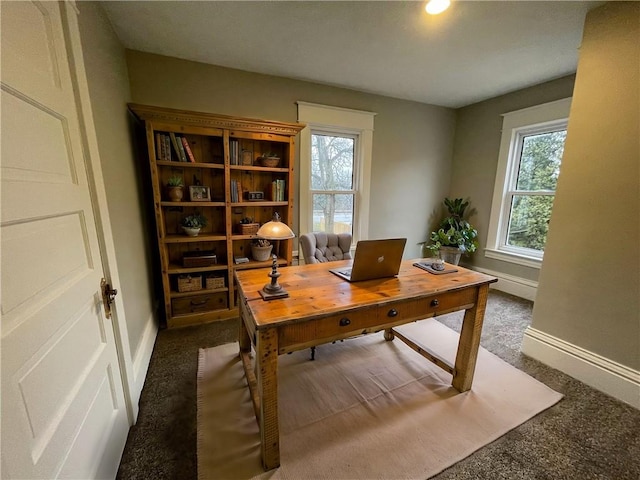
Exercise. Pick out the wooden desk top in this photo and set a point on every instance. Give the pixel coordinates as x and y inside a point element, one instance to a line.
<point>315,292</point>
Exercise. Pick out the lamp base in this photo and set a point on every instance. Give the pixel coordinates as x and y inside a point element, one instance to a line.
<point>282,293</point>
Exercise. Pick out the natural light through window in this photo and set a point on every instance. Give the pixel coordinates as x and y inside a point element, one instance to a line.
<point>332,182</point>
<point>528,170</point>
<point>335,169</point>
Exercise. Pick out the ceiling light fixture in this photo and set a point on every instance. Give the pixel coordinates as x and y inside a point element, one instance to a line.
<point>434,7</point>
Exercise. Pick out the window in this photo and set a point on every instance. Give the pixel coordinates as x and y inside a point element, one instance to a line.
<point>332,182</point>
<point>528,169</point>
<point>335,169</point>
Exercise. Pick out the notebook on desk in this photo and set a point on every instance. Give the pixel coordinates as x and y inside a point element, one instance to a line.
<point>374,259</point>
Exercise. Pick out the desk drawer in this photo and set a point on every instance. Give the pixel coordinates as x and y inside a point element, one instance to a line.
<point>328,328</point>
<point>426,307</point>
<point>452,301</point>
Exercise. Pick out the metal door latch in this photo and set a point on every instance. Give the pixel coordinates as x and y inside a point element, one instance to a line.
<point>108,295</point>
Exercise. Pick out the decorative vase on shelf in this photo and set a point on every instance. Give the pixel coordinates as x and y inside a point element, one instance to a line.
<point>191,231</point>
<point>261,254</point>
<point>175,194</point>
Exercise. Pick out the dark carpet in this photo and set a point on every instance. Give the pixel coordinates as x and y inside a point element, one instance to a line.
<point>587,435</point>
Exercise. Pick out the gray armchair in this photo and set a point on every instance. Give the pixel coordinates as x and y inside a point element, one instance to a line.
<point>321,247</point>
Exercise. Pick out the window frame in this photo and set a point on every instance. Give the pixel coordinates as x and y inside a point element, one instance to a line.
<point>355,172</point>
<point>548,117</point>
<point>357,124</point>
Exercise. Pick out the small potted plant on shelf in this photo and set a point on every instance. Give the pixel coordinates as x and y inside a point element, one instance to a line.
<point>261,249</point>
<point>191,224</point>
<point>455,236</point>
<point>175,188</point>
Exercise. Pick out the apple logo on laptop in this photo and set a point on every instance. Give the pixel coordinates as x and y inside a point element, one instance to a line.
<point>381,259</point>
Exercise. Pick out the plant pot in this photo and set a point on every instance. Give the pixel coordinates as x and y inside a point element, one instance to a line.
<point>450,254</point>
<point>261,254</point>
<point>190,231</point>
<point>175,194</point>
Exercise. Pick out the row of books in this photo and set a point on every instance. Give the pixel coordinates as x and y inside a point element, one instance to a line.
<point>234,152</point>
<point>236,191</point>
<point>278,190</point>
<point>172,147</point>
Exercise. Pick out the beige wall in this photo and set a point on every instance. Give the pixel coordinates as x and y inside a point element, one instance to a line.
<point>589,290</point>
<point>412,142</point>
<point>475,159</point>
<point>108,81</point>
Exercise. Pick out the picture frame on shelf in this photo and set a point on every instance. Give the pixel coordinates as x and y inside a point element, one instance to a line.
<point>199,193</point>
<point>247,157</point>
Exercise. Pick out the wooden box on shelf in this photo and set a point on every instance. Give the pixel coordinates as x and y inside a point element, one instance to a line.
<point>199,258</point>
<point>188,283</point>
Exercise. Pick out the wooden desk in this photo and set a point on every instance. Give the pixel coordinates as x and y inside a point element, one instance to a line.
<point>322,308</point>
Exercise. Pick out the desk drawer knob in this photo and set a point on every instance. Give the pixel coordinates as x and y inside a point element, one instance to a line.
<point>392,313</point>
<point>435,302</point>
<point>344,322</point>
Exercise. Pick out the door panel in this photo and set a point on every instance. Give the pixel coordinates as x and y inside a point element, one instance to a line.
<point>63,410</point>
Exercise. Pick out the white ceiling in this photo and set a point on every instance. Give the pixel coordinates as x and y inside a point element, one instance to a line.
<point>474,51</point>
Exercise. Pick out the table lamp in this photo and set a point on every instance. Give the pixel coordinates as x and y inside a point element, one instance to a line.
<point>274,230</point>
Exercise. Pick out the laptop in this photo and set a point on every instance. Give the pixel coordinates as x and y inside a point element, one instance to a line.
<point>374,259</point>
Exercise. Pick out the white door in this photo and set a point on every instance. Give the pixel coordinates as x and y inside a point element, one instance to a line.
<point>63,408</point>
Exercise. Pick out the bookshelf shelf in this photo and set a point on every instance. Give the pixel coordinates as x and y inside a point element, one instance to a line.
<point>213,150</point>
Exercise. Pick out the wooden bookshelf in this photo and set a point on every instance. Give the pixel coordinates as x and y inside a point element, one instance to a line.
<point>226,151</point>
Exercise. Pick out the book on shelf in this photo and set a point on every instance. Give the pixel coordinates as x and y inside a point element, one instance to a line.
<point>278,190</point>
<point>159,147</point>
<point>239,260</point>
<point>236,191</point>
<point>163,147</point>
<point>233,152</point>
<point>187,149</point>
<point>167,148</point>
<point>177,146</point>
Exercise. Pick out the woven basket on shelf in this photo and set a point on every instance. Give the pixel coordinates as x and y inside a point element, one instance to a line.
<point>212,282</point>
<point>269,161</point>
<point>187,283</point>
<point>248,228</point>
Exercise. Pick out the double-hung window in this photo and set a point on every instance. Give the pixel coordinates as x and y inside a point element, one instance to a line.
<point>528,169</point>
<point>333,181</point>
<point>335,169</point>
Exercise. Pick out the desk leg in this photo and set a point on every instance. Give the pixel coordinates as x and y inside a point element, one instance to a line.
<point>267,363</point>
<point>243,336</point>
<point>470,342</point>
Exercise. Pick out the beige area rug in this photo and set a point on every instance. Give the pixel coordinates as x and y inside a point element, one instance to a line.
<point>364,409</point>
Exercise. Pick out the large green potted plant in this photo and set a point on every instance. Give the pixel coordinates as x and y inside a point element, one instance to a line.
<point>455,236</point>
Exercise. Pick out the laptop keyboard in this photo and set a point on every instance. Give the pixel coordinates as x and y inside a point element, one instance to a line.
<point>346,272</point>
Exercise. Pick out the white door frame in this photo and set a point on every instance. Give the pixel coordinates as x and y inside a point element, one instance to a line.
<point>101,212</point>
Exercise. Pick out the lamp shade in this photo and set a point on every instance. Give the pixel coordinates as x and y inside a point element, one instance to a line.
<point>275,230</point>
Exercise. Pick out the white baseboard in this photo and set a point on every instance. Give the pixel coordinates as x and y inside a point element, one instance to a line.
<point>601,373</point>
<point>141,361</point>
<point>520,287</point>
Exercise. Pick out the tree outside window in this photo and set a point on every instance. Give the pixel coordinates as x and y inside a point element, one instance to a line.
<point>529,164</point>
<point>533,188</point>
<point>332,182</point>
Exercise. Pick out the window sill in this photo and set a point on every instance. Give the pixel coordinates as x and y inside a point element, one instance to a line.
<point>511,257</point>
